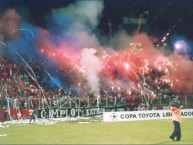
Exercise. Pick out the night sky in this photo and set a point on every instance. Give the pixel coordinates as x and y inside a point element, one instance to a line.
<point>162,14</point>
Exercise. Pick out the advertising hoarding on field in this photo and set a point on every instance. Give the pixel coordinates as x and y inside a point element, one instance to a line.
<point>143,115</point>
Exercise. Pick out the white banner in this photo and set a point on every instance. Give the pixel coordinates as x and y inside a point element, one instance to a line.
<point>143,115</point>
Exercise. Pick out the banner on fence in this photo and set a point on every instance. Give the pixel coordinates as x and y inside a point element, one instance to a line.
<point>14,114</point>
<point>71,112</point>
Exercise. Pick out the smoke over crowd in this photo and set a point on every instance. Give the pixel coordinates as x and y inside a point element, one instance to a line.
<point>72,44</point>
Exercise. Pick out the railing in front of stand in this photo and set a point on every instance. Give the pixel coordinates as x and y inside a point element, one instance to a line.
<point>65,102</point>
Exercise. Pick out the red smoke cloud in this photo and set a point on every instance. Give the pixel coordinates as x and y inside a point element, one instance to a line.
<point>129,64</point>
<point>181,74</point>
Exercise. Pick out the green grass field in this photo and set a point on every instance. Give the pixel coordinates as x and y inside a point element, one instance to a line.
<point>73,132</point>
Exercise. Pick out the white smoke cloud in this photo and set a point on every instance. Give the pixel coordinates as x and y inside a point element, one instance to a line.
<point>83,12</point>
<point>92,66</point>
<point>78,21</point>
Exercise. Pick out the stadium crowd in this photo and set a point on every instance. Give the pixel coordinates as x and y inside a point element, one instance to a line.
<point>24,91</point>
